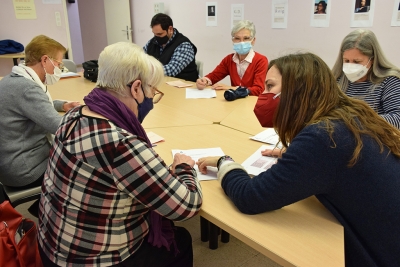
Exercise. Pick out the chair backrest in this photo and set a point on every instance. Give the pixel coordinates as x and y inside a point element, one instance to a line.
<point>199,67</point>
<point>18,196</point>
<point>70,65</point>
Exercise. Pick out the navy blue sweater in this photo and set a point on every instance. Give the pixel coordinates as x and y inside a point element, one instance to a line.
<point>364,198</point>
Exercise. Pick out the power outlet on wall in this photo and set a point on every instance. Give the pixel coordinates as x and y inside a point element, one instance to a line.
<point>58,19</point>
<point>158,8</point>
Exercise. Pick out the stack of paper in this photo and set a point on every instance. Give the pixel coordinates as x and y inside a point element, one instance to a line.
<point>69,74</point>
<point>179,84</point>
<point>154,138</point>
<point>268,136</point>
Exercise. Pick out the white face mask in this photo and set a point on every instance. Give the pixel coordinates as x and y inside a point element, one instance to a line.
<point>52,78</point>
<point>354,72</point>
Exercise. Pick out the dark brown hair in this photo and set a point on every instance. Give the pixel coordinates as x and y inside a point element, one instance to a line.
<point>310,95</point>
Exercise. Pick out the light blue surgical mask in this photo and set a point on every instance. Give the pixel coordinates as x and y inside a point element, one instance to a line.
<point>242,48</point>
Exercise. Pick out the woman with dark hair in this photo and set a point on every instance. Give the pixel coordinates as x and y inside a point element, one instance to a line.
<point>340,150</point>
<point>321,8</point>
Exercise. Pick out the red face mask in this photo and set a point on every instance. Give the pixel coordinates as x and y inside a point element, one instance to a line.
<point>265,109</point>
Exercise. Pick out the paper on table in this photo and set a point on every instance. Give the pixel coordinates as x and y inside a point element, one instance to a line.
<point>200,153</point>
<point>196,93</point>
<point>69,74</point>
<point>257,163</point>
<point>154,138</point>
<point>268,136</point>
<point>179,84</point>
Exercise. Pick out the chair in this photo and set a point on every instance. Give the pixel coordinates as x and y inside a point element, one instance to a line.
<point>199,65</point>
<point>18,196</point>
<point>70,65</point>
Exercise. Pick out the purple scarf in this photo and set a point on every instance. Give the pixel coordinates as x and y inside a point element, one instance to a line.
<point>161,232</point>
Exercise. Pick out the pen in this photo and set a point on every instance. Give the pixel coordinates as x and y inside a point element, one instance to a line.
<point>275,96</point>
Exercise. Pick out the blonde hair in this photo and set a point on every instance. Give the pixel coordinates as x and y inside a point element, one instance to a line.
<point>39,46</point>
<point>122,63</point>
<point>367,43</point>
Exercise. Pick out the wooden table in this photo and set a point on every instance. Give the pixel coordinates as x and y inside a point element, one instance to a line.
<point>302,234</point>
<point>75,89</point>
<point>14,56</point>
<point>243,119</point>
<point>214,109</point>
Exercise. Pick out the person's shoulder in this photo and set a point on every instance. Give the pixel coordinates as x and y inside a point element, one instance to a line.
<point>320,129</point>
<point>260,56</point>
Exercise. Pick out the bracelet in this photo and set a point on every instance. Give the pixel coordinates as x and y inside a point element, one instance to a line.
<point>222,159</point>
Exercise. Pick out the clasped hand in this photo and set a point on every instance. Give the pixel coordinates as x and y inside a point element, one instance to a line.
<point>201,83</point>
<point>68,105</point>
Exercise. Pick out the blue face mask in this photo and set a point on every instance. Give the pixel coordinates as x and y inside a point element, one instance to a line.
<point>144,107</point>
<point>242,48</point>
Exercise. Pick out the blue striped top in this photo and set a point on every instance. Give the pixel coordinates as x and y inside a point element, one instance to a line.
<point>384,98</point>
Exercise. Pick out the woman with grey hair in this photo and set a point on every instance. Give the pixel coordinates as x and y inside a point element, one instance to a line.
<point>245,67</point>
<point>108,199</point>
<point>363,72</point>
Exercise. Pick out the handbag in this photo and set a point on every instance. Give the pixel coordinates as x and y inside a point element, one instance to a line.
<point>18,239</point>
<point>90,70</point>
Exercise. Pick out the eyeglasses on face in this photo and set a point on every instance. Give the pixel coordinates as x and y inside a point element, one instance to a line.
<point>157,94</point>
<point>60,64</point>
<point>237,39</point>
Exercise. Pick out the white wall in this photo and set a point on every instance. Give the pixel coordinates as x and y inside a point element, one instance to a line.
<point>213,43</point>
<point>23,31</point>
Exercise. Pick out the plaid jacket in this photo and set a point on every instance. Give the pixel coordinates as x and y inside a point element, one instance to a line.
<point>100,183</point>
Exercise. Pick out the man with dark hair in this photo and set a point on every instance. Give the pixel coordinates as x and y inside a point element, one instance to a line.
<point>174,50</point>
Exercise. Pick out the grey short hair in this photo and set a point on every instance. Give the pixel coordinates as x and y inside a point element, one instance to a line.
<point>122,63</point>
<point>365,41</point>
<point>244,24</point>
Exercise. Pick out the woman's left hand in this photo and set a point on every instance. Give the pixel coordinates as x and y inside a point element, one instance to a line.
<point>68,105</point>
<point>207,161</point>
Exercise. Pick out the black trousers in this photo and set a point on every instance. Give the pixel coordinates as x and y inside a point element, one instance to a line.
<point>150,256</point>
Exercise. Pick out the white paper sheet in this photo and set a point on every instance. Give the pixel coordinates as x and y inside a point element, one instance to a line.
<point>268,136</point>
<point>196,93</point>
<point>69,74</point>
<point>237,13</point>
<point>279,14</point>
<point>363,19</point>
<point>396,14</point>
<point>211,14</point>
<point>179,84</point>
<point>320,20</point>
<point>256,163</point>
<point>201,153</point>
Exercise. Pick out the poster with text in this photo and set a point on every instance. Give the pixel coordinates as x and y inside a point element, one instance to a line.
<point>24,9</point>
<point>396,14</point>
<point>211,14</point>
<point>237,13</point>
<point>320,13</point>
<point>362,13</point>
<point>279,14</point>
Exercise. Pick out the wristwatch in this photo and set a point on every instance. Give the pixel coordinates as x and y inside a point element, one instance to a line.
<point>222,159</point>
